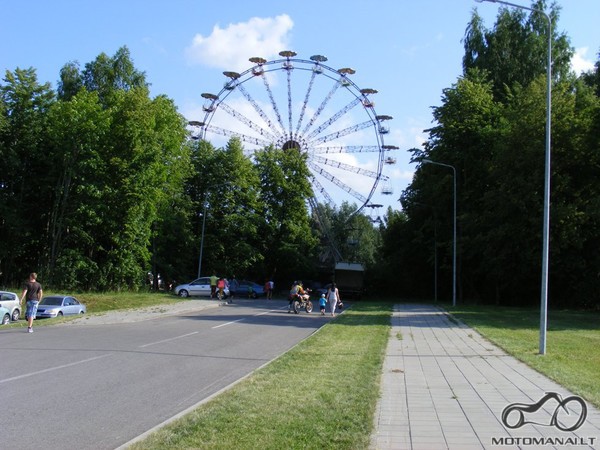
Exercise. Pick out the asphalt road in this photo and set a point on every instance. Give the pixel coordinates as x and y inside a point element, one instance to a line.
<point>99,386</point>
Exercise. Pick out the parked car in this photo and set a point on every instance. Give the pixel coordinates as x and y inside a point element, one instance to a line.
<point>198,287</point>
<point>4,315</point>
<point>58,306</point>
<point>10,301</point>
<point>249,289</point>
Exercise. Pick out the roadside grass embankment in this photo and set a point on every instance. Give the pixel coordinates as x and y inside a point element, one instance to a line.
<point>320,394</point>
<point>98,303</point>
<point>572,356</point>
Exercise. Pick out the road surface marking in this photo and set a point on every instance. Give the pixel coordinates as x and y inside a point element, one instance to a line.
<point>168,340</point>
<point>239,320</point>
<point>50,369</point>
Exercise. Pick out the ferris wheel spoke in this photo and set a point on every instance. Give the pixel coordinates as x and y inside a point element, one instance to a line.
<point>325,111</point>
<point>243,137</point>
<point>321,107</point>
<point>250,124</point>
<point>318,187</point>
<point>341,133</point>
<point>339,183</point>
<point>289,91</point>
<point>306,98</point>
<point>273,102</point>
<point>333,118</point>
<point>348,149</point>
<point>256,106</point>
<point>349,168</point>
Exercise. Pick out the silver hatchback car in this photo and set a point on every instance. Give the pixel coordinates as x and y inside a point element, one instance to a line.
<point>10,301</point>
<point>198,287</point>
<point>58,306</point>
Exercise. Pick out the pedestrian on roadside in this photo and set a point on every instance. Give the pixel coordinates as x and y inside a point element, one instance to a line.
<point>221,288</point>
<point>322,303</point>
<point>213,285</point>
<point>233,287</point>
<point>333,296</point>
<point>33,290</point>
<point>271,289</point>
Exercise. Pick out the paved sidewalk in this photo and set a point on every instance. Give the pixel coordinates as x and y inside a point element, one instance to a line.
<point>445,387</point>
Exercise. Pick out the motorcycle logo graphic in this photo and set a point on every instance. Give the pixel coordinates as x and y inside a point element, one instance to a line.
<point>561,418</point>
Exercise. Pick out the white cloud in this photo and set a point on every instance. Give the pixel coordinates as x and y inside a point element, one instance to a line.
<point>579,63</point>
<point>229,48</point>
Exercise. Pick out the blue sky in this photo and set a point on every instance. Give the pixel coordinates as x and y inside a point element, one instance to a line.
<point>409,51</point>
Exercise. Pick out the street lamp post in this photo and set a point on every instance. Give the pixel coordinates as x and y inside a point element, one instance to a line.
<point>428,161</point>
<point>203,225</point>
<point>202,239</point>
<point>546,224</point>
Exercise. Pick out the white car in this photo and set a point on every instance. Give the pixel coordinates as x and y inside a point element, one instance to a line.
<point>10,301</point>
<point>200,286</point>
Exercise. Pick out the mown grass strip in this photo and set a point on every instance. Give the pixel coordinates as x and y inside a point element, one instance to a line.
<point>321,394</point>
<point>572,356</point>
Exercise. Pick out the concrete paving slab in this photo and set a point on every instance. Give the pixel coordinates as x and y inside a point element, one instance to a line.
<point>444,386</point>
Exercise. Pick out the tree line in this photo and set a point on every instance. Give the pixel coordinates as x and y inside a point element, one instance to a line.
<point>101,184</point>
<point>490,127</point>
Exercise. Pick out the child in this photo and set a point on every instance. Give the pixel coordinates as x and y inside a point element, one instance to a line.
<point>322,303</point>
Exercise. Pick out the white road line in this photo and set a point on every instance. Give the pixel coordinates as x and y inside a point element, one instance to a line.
<point>239,320</point>
<point>227,323</point>
<point>50,369</point>
<point>168,340</point>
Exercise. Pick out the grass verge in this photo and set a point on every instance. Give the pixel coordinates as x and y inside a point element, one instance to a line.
<point>102,302</point>
<point>321,394</point>
<point>572,356</point>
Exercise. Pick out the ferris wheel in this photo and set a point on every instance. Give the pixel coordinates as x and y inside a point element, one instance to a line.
<point>292,103</point>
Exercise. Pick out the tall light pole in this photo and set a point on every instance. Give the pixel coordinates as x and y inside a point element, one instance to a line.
<point>428,161</point>
<point>203,225</point>
<point>202,239</point>
<point>546,225</point>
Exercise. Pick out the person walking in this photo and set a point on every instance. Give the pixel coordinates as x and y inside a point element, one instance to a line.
<point>33,290</point>
<point>213,285</point>
<point>233,287</point>
<point>322,304</point>
<point>333,296</point>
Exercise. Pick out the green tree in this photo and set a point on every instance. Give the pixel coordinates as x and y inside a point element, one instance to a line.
<point>77,128</point>
<point>288,239</point>
<point>515,50</point>
<point>24,184</point>
<point>108,75</point>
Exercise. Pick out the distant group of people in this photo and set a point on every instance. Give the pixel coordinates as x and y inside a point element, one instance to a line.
<point>218,286</point>
<point>332,297</point>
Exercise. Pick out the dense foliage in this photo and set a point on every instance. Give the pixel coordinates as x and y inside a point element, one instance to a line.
<point>100,185</point>
<point>491,128</point>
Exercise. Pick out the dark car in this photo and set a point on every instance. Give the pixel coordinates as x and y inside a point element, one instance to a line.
<point>249,289</point>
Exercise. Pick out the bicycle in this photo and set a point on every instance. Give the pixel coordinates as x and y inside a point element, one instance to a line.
<point>301,302</point>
